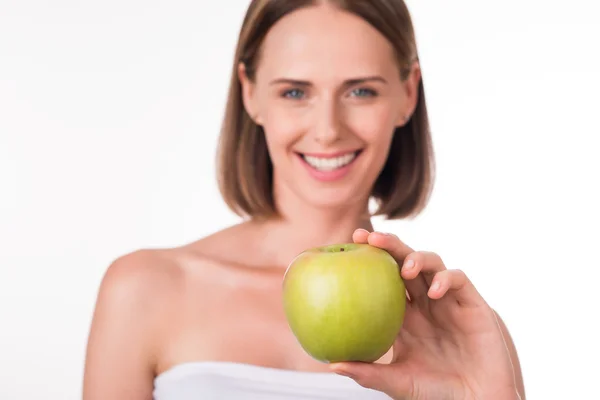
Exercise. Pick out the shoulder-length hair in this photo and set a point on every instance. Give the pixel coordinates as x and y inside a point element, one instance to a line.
<point>244,168</point>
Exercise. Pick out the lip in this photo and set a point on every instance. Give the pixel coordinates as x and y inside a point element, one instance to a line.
<point>328,176</point>
<point>330,155</point>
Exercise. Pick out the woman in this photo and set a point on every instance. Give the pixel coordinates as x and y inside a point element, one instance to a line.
<point>326,111</point>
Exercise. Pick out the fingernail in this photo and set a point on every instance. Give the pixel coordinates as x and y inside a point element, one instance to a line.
<point>409,264</point>
<point>435,286</point>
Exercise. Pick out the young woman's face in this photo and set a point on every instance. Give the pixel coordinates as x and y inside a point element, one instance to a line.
<point>329,96</point>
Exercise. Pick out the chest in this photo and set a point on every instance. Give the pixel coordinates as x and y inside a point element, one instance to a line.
<point>236,324</point>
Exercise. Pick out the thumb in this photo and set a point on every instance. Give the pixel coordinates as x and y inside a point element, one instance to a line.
<point>386,378</point>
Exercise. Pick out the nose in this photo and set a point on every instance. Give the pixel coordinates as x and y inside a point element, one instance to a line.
<point>327,126</point>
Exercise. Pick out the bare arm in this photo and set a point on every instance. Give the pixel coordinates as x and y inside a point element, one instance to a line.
<point>121,351</point>
<point>513,356</point>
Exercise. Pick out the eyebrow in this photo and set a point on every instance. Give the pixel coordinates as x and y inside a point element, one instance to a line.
<point>348,82</point>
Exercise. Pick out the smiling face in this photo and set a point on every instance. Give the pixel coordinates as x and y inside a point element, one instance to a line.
<point>329,95</point>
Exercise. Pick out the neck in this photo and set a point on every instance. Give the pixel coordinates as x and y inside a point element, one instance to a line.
<point>300,227</point>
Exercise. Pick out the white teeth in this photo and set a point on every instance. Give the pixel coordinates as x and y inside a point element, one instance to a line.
<point>329,164</point>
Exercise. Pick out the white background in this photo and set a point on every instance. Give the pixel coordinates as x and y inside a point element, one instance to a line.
<point>109,115</point>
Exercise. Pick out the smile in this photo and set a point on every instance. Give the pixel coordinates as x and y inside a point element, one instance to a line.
<point>330,163</point>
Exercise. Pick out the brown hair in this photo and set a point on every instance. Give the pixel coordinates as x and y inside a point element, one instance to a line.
<point>244,167</point>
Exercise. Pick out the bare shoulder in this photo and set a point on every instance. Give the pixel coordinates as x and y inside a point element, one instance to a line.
<point>144,276</point>
<point>132,277</point>
<point>143,301</point>
<point>133,302</point>
<point>140,284</point>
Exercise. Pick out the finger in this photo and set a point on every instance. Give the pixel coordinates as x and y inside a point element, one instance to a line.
<point>415,271</point>
<point>456,283</point>
<point>382,377</point>
<point>425,263</point>
<point>391,243</point>
<point>360,236</point>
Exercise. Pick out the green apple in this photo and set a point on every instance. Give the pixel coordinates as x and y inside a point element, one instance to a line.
<point>344,302</point>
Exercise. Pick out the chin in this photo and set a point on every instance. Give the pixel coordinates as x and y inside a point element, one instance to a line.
<point>336,198</point>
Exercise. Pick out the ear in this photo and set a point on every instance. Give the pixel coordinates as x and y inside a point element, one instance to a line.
<point>248,93</point>
<point>411,92</point>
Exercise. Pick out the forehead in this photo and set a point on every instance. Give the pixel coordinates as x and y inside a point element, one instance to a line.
<point>325,42</point>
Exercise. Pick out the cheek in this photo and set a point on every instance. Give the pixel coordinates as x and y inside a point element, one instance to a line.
<point>283,126</point>
<point>374,124</point>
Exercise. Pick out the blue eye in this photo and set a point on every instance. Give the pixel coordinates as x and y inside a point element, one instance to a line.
<point>362,92</point>
<point>293,93</point>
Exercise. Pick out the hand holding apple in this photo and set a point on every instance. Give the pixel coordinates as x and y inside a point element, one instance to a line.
<point>449,343</point>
